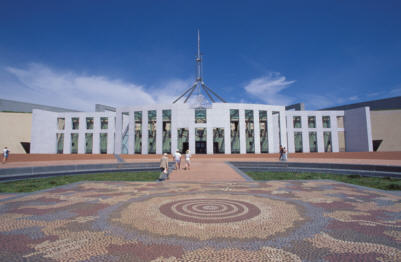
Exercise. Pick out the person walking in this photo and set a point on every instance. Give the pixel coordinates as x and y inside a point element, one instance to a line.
<point>177,158</point>
<point>281,153</point>
<point>164,167</point>
<point>284,154</point>
<point>187,160</point>
<point>6,152</point>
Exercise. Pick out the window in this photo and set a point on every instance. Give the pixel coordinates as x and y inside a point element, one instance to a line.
<point>138,132</point>
<point>312,141</point>
<point>74,143</point>
<point>327,141</point>
<point>297,122</point>
<point>75,123</point>
<point>103,143</point>
<point>88,143</point>
<point>249,130</point>
<point>326,121</point>
<point>311,121</point>
<point>60,123</point>
<point>89,123</point>
<point>200,116</point>
<point>152,132</point>
<point>104,123</point>
<point>234,123</point>
<point>60,143</point>
<point>264,141</point>
<point>340,121</point>
<point>166,131</point>
<point>298,142</point>
<point>218,140</point>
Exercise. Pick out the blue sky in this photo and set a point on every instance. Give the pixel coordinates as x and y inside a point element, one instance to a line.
<point>78,53</point>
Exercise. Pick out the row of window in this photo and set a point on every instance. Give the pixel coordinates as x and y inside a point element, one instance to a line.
<point>104,123</point>
<point>297,123</point>
<point>298,143</point>
<point>88,143</point>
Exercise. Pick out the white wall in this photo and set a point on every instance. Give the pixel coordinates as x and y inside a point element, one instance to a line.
<point>358,131</point>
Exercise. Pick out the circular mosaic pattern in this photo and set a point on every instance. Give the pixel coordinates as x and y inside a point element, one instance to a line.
<point>209,216</point>
<point>210,210</point>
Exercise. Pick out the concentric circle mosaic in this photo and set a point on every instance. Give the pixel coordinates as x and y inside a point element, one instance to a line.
<point>310,221</point>
<point>210,210</point>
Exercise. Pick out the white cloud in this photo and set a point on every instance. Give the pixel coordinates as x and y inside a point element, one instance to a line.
<point>268,88</point>
<point>38,83</point>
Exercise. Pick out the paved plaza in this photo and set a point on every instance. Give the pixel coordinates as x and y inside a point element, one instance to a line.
<point>187,221</point>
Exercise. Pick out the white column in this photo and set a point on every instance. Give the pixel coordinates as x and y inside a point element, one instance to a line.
<point>334,133</point>
<point>81,135</point>
<point>242,141</point>
<point>191,138</point>
<point>131,134</point>
<point>111,137</point>
<point>270,131</point>
<point>118,131</point>
<point>159,131</point>
<point>145,133</point>
<point>209,139</point>
<point>227,132</point>
<point>319,129</point>
<point>256,129</point>
<point>67,135</point>
<point>283,128</point>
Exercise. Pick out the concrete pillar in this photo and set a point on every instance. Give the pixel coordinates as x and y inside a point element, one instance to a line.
<point>270,131</point>
<point>256,131</point>
<point>118,131</point>
<point>159,131</point>
<point>242,134</point>
<point>131,133</point>
<point>145,133</point>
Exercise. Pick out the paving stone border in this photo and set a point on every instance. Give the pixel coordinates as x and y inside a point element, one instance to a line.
<point>344,169</point>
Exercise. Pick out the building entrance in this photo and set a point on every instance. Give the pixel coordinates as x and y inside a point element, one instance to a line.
<point>200,147</point>
<point>185,147</point>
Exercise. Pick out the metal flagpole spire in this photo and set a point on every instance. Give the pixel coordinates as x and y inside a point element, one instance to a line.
<point>199,84</point>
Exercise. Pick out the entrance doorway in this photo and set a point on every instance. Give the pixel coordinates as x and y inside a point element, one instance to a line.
<point>185,147</point>
<point>200,147</point>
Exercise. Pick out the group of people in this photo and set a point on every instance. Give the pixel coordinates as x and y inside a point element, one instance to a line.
<point>283,153</point>
<point>177,158</point>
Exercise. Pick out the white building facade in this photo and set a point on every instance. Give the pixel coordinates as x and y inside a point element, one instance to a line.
<point>223,128</point>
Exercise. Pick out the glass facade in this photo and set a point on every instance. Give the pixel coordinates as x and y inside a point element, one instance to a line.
<point>264,141</point>
<point>166,131</point>
<point>249,131</point>
<point>103,143</point>
<point>200,116</point>
<point>340,121</point>
<point>182,139</point>
<point>312,141</point>
<point>60,143</point>
<point>60,123</point>
<point>218,141</point>
<point>75,123</point>
<point>200,140</point>
<point>298,142</point>
<point>234,124</point>
<point>327,141</point>
<point>138,132</point>
<point>104,123</point>
<point>74,143</point>
<point>88,143</point>
<point>297,122</point>
<point>326,121</point>
<point>152,132</point>
<point>311,122</point>
<point>89,123</point>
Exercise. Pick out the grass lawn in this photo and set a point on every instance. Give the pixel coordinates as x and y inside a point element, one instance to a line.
<point>31,185</point>
<point>375,182</point>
